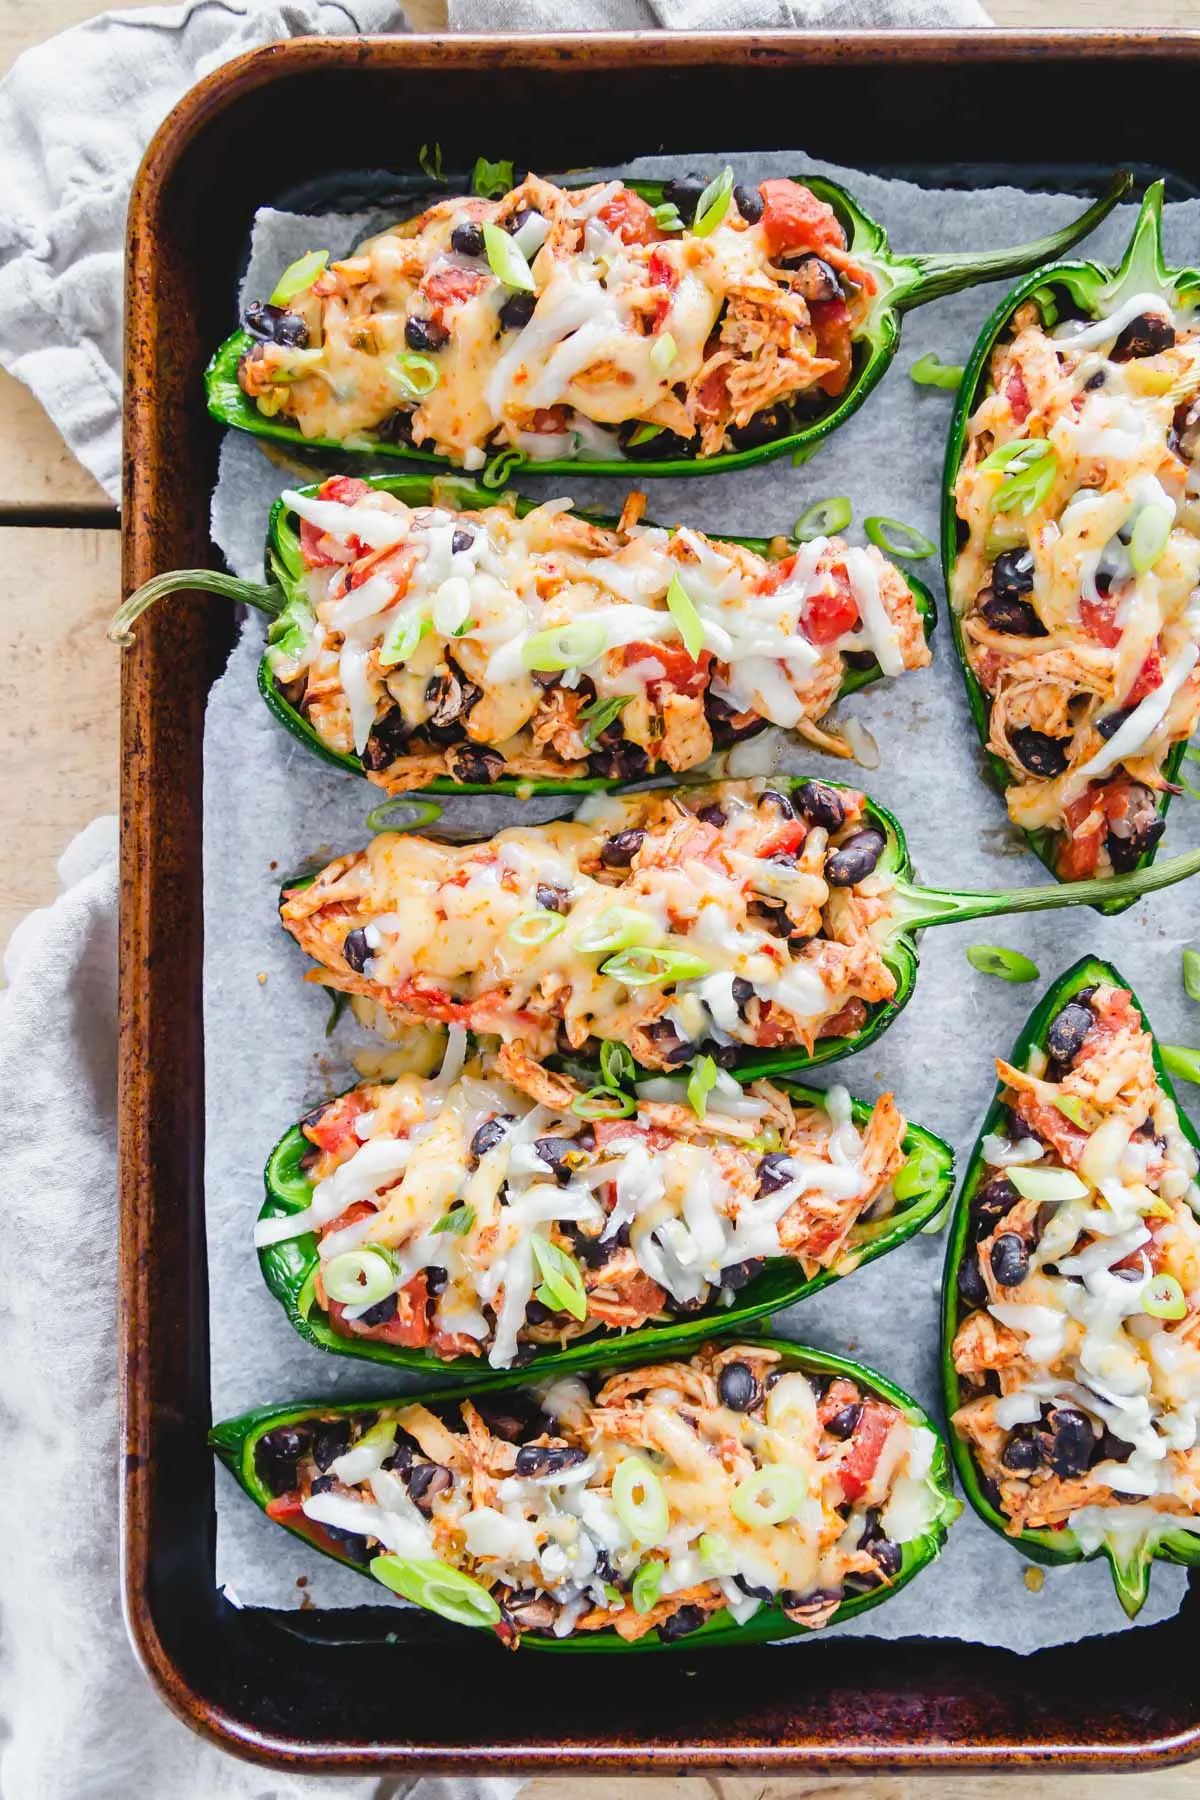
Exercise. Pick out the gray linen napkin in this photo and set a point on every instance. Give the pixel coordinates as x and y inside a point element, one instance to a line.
<point>77,1719</point>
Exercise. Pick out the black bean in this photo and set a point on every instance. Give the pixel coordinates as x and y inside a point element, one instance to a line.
<point>1144,336</point>
<point>814,279</point>
<point>740,1274</point>
<point>619,851</point>
<point>436,1278</point>
<point>330,1440</point>
<point>382,1314</point>
<point>490,1133</point>
<point>1072,1440</point>
<point>276,1456</point>
<point>1012,617</point>
<point>1038,752</point>
<point>845,1423</point>
<point>855,858</point>
<point>773,1172</point>
<point>351,1544</point>
<point>1012,574</point>
<point>1111,1448</point>
<point>515,220</point>
<point>1136,831</point>
<point>887,1555</point>
<point>684,1309</point>
<point>275,325</point>
<point>462,540</point>
<point>1068,1028</point>
<point>536,1313</point>
<point>388,740</point>
<point>554,1152</point>
<point>971,1285</point>
<point>712,815</point>
<point>738,1387</point>
<point>1108,724</point>
<point>547,1459</point>
<point>778,802</point>
<point>684,193</point>
<point>1094,381</point>
<point>450,698</point>
<point>806,1609</point>
<point>681,1623</point>
<point>627,762</point>
<point>593,1250</point>
<point>477,767</point>
<point>425,1481</point>
<point>749,202</point>
<point>553,899</point>
<point>754,1593</point>
<point>1009,1258</point>
<point>424,334</point>
<point>517,311</point>
<point>991,1202</point>
<point>322,1484</point>
<point>667,1041</point>
<point>743,994</point>
<point>356,949</point>
<point>720,716</point>
<point>467,239</point>
<point>397,428</point>
<point>762,428</point>
<point>821,805</point>
<point>1022,1451</point>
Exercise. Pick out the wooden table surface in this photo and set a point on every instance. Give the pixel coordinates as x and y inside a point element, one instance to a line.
<point>59,574</point>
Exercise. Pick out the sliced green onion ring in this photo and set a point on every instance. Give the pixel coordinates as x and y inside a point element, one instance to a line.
<point>663,353</point>
<point>502,465</point>
<point>616,928</point>
<point>667,218</point>
<point>700,1085</point>
<point>1164,1298</point>
<point>1150,536</point>
<point>1191,974</point>
<point>1071,1107</point>
<point>405,632</point>
<point>600,715</point>
<point>359,1277</point>
<point>299,276</point>
<point>562,1288</point>
<point>533,928</point>
<point>403,813</point>
<point>643,966</point>
<point>491,181</point>
<point>429,157</point>
<point>895,538</point>
<point>1181,1060</point>
<point>438,1588</point>
<point>683,611</point>
<point>506,260</point>
<point>604,1103</point>
<point>769,1496</point>
<point>914,1175</point>
<point>713,203</point>
<point>458,1221</point>
<point>1008,965</point>
<point>565,646</point>
<point>647,1584</point>
<point>415,374</point>
<point>823,518</point>
<point>1046,1185</point>
<point>644,434</point>
<point>640,1500</point>
<point>931,371</point>
<point>616,1063</point>
<point>717,1554</point>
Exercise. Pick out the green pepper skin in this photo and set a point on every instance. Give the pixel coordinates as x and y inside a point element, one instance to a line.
<point>1131,1577</point>
<point>289,1267</point>
<point>1088,288</point>
<point>903,282</point>
<point>287,567</point>
<point>235,1440</point>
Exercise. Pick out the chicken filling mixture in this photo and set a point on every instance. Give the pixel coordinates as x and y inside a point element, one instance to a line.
<point>709,918</point>
<point>561,323</point>
<point>1078,587</point>
<point>482,646</point>
<point>1081,1351</point>
<point>479,1212</point>
<point>648,1501</point>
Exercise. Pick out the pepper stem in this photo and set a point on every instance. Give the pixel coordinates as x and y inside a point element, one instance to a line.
<point>916,907</point>
<point>266,599</point>
<point>935,276</point>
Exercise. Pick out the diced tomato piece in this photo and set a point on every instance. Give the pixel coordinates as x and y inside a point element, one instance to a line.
<point>614,1131</point>
<point>681,671</point>
<point>1080,851</point>
<point>316,546</point>
<point>1116,1012</point>
<point>663,274</point>
<point>455,1343</point>
<point>450,287</point>
<point>790,835</point>
<point>1149,677</point>
<point>846,1021</point>
<point>776,575</point>
<point>712,395</point>
<point>409,1325</point>
<point>870,1435</point>
<point>1017,395</point>
<point>358,1209</point>
<point>1099,620</point>
<point>628,217</point>
<point>431,1002</point>
<point>829,614</point>
<point>285,1508</point>
<point>831,322</point>
<point>333,1127</point>
<point>397,563</point>
<point>288,1509</point>
<point>549,418</point>
<point>794,219</point>
<point>837,1397</point>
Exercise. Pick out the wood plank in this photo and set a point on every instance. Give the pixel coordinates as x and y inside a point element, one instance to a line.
<point>1170,1784</point>
<point>58,700</point>
<point>36,468</point>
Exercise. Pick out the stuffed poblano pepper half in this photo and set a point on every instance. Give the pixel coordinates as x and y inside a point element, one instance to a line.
<point>1072,1295</point>
<point>766,924</point>
<point>743,1493</point>
<point>496,1213</point>
<point>1071,546</point>
<point>433,635</point>
<point>683,328</point>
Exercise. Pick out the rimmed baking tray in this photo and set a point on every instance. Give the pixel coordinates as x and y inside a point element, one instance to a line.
<point>325,1691</point>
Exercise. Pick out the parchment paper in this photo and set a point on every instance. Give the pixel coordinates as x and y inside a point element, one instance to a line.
<point>270,808</point>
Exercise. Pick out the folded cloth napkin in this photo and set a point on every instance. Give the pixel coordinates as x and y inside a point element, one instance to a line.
<point>77,1719</point>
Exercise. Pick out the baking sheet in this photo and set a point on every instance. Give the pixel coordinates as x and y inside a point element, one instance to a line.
<point>270,808</point>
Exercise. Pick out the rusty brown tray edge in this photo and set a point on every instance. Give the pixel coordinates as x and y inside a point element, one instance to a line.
<point>161,1106</point>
